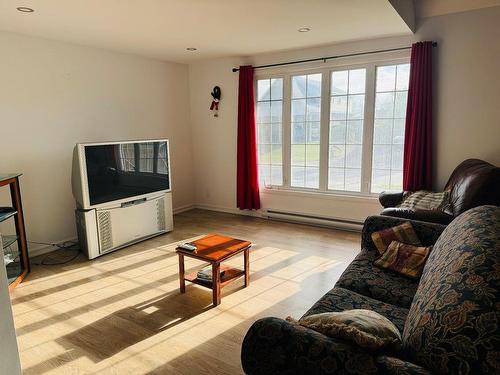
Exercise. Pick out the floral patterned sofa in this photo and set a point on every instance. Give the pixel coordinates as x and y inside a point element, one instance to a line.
<point>449,319</point>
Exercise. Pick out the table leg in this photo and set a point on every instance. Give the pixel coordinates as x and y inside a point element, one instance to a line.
<point>15,193</point>
<point>216,283</point>
<point>246,255</point>
<point>181,273</point>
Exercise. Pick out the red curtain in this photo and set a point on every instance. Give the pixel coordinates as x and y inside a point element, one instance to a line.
<point>417,164</point>
<point>247,174</point>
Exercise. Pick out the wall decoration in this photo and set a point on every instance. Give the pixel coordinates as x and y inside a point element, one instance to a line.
<point>216,99</point>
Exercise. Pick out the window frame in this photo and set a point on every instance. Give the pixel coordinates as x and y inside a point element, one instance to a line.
<point>370,63</point>
<point>289,126</point>
<point>283,111</point>
<point>363,138</point>
<point>373,117</point>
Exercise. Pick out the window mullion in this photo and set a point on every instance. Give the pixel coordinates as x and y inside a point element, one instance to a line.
<point>286,135</point>
<point>366,160</point>
<point>325,130</point>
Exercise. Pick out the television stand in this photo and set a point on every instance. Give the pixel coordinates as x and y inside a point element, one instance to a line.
<point>109,228</point>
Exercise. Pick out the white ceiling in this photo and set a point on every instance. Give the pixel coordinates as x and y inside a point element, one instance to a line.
<point>164,28</point>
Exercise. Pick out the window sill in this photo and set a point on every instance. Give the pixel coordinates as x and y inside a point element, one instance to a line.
<point>320,194</point>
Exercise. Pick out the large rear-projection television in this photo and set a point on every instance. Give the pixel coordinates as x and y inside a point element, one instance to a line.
<point>119,172</point>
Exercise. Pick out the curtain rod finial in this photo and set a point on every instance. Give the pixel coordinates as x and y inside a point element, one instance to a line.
<point>434,44</point>
<point>235,70</point>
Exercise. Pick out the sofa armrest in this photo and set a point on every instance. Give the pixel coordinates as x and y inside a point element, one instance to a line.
<point>388,199</point>
<point>395,366</point>
<point>428,233</point>
<point>274,346</point>
<point>431,216</point>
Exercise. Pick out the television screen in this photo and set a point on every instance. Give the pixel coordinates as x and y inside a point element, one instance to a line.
<point>117,171</point>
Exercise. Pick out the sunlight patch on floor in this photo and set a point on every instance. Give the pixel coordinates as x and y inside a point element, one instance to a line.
<point>123,313</point>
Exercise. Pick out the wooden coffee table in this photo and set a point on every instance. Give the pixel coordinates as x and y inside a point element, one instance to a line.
<point>215,249</point>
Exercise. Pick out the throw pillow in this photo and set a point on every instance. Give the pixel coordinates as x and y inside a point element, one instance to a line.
<point>426,200</point>
<point>402,233</point>
<point>365,328</point>
<point>408,260</point>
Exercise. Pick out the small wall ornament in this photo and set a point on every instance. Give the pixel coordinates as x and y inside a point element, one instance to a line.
<point>216,99</point>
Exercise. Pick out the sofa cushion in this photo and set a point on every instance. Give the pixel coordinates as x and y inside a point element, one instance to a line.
<point>339,299</point>
<point>453,326</point>
<point>427,233</point>
<point>363,277</point>
<point>402,233</point>
<point>407,260</point>
<point>426,200</point>
<point>365,328</point>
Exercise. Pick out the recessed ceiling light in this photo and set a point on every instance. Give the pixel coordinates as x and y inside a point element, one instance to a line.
<point>191,49</point>
<point>25,9</point>
<point>304,29</point>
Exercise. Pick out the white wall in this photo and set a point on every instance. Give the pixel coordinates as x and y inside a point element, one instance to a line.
<point>467,90</point>
<point>466,110</point>
<point>53,95</point>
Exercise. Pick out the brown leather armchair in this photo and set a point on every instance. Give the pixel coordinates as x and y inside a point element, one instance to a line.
<point>473,183</point>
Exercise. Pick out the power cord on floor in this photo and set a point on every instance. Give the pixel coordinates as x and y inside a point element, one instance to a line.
<point>48,259</point>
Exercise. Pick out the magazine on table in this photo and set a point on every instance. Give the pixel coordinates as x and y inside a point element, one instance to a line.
<point>205,273</point>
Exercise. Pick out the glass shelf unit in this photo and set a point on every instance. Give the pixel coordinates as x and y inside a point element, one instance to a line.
<point>6,212</point>
<point>8,240</point>
<point>14,246</point>
<point>11,257</point>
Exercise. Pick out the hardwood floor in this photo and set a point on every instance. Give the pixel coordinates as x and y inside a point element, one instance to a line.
<point>123,313</point>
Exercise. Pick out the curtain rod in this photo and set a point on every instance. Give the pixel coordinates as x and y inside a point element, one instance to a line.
<point>324,59</point>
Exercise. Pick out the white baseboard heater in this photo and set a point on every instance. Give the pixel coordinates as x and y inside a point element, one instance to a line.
<point>324,221</point>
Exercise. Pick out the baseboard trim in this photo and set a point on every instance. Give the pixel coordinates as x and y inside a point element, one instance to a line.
<point>184,208</point>
<point>230,210</point>
<point>299,218</point>
<point>34,251</point>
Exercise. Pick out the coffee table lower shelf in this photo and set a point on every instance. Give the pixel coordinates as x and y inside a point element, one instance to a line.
<point>230,274</point>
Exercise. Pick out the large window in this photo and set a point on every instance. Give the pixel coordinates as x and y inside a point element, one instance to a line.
<point>333,130</point>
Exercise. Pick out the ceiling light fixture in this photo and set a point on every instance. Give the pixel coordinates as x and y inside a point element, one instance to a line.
<point>304,29</point>
<point>25,9</point>
<point>191,49</point>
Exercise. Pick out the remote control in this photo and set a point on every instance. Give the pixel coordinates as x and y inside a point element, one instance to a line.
<point>187,246</point>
